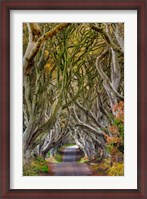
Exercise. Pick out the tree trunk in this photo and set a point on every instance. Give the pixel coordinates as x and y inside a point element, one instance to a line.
<point>26,156</point>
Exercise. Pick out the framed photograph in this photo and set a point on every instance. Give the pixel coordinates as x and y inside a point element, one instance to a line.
<point>73,99</point>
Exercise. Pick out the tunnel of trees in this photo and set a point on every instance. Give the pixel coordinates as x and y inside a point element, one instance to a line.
<point>73,86</point>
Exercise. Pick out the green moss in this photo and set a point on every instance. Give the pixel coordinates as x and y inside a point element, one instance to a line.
<point>58,157</point>
<point>48,154</point>
<point>35,167</point>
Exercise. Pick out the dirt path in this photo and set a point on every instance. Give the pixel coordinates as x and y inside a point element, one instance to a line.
<point>69,166</point>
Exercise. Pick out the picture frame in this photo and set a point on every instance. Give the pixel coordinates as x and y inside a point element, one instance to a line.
<point>6,7</point>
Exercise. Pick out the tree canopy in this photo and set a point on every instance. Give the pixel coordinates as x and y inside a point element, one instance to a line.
<point>73,86</point>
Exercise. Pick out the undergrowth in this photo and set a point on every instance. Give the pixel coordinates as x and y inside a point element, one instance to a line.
<point>35,167</point>
<point>116,170</point>
<point>83,160</point>
<point>58,157</point>
<point>107,168</point>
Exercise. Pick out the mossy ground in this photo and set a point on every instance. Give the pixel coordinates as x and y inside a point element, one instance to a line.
<point>107,168</point>
<point>58,157</point>
<point>35,167</point>
<point>83,160</point>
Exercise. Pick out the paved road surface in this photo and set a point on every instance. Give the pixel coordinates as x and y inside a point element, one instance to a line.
<point>69,166</point>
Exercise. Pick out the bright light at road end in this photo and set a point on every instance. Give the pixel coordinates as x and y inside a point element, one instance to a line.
<point>74,146</point>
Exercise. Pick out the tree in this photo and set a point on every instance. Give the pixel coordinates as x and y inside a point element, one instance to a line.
<point>39,114</point>
<point>72,73</point>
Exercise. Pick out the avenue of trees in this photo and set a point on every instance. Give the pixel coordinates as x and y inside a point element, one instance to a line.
<point>73,85</point>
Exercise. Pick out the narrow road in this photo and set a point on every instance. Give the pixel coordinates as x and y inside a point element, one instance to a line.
<point>69,166</point>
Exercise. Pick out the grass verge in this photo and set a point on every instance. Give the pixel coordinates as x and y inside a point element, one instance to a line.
<point>58,157</point>
<point>35,167</point>
<point>106,168</point>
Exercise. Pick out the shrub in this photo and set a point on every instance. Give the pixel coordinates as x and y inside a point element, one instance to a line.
<point>115,142</point>
<point>35,167</point>
<point>116,170</point>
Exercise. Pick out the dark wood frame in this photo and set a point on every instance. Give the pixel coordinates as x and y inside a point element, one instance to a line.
<point>6,6</point>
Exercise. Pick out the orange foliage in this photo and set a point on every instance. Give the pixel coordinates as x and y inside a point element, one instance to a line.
<point>119,111</point>
<point>115,142</point>
<point>113,129</point>
<point>112,140</point>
